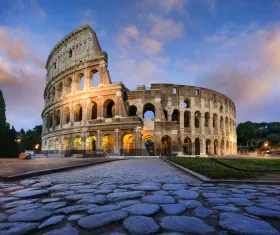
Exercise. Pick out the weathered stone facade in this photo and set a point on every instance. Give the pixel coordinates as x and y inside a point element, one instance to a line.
<point>84,110</point>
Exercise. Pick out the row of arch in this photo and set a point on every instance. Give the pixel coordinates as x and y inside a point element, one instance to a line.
<point>80,82</point>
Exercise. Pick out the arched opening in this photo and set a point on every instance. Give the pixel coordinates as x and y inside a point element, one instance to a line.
<point>207,118</point>
<point>215,120</point>
<point>187,116</point>
<point>92,111</point>
<point>57,117</point>
<point>187,104</point>
<point>108,143</point>
<point>68,85</point>
<point>94,74</point>
<point>53,93</point>
<point>50,144</point>
<point>176,115</point>
<point>166,145</point>
<point>66,115</point>
<point>221,109</point>
<point>78,114</point>
<point>50,120</point>
<point>49,96</point>
<point>81,81</point>
<point>91,143</point>
<point>132,111</point>
<point>149,144</point>
<point>59,90</point>
<point>70,53</point>
<point>149,111</point>
<point>65,144</point>
<point>222,147</point>
<point>56,145</point>
<point>109,109</point>
<point>165,115</point>
<point>221,123</point>
<point>227,147</point>
<point>197,119</point>
<point>197,146</point>
<point>226,126</point>
<point>77,143</point>
<point>127,143</point>
<point>208,147</point>
<point>216,146</point>
<point>187,146</point>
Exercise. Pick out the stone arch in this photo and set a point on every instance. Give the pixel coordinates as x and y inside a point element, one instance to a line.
<point>216,147</point>
<point>148,111</point>
<point>92,110</point>
<point>70,53</point>
<point>91,143</point>
<point>68,85</point>
<point>226,124</point>
<point>197,146</point>
<point>132,111</point>
<point>207,119</point>
<point>66,115</point>
<point>59,90</point>
<point>221,109</point>
<point>165,115</point>
<point>78,113</point>
<point>176,115</point>
<point>49,96</point>
<point>166,145</point>
<point>56,145</point>
<point>127,143</point>
<point>109,108</point>
<point>94,77</point>
<point>187,117</point>
<point>221,123</point>
<point>65,144</point>
<point>49,120</point>
<point>187,146</point>
<point>77,143</point>
<point>197,116</point>
<point>215,120</point>
<point>80,81</point>
<point>53,93</point>
<point>187,104</point>
<point>208,147</point>
<point>57,117</point>
<point>222,147</point>
<point>150,143</point>
<point>108,143</point>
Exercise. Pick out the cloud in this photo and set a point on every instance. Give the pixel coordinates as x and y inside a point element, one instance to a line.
<point>172,5</point>
<point>21,80</point>
<point>132,31</point>
<point>39,12</point>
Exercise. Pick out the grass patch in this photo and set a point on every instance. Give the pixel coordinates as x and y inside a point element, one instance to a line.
<point>203,166</point>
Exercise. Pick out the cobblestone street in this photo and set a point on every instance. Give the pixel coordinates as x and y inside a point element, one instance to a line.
<point>135,197</point>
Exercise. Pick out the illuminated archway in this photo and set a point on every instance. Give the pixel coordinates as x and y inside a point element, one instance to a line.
<point>108,143</point>
<point>166,145</point>
<point>77,143</point>
<point>91,143</point>
<point>149,142</point>
<point>197,146</point>
<point>128,143</point>
<point>65,144</point>
<point>109,108</point>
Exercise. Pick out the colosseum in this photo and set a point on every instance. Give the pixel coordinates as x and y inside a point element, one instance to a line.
<point>85,111</point>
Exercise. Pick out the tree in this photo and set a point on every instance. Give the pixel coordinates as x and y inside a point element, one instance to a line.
<point>273,139</point>
<point>2,110</point>
<point>245,131</point>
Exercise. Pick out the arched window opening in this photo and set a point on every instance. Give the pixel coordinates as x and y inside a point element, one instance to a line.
<point>132,111</point>
<point>221,109</point>
<point>108,143</point>
<point>197,92</point>
<point>176,115</point>
<point>221,123</point>
<point>57,117</point>
<point>78,114</point>
<point>82,83</point>
<point>127,143</point>
<point>77,143</point>
<point>207,118</point>
<point>53,93</point>
<point>197,146</point>
<point>94,111</point>
<point>165,115</point>
<point>174,90</point>
<point>149,141</point>
<point>50,121</point>
<point>95,79</point>
<point>49,97</point>
<point>149,111</point>
<point>214,98</point>
<point>91,144</point>
<point>70,53</point>
<point>54,65</point>
<point>66,115</point>
<point>59,90</point>
<point>166,145</point>
<point>68,86</point>
<point>222,147</point>
<point>187,116</point>
<point>109,109</point>
<point>197,119</point>
<point>187,146</point>
<point>187,104</point>
<point>215,120</point>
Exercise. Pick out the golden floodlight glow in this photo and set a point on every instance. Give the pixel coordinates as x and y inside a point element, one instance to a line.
<point>37,146</point>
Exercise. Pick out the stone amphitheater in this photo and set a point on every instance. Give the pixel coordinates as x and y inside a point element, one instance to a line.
<point>85,111</point>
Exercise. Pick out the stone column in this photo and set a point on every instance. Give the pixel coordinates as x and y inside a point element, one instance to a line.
<point>118,104</point>
<point>202,147</point>
<point>87,81</point>
<point>117,142</point>
<point>202,123</point>
<point>158,110</point>
<point>99,141</point>
<point>193,146</point>
<point>100,107</point>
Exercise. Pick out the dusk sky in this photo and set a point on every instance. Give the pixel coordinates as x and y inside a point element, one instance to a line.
<point>232,47</point>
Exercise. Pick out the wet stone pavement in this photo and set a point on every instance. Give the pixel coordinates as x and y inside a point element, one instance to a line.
<point>135,197</point>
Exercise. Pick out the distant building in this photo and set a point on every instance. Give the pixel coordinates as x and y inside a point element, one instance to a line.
<point>85,110</point>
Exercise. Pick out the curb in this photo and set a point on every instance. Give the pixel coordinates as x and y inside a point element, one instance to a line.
<point>205,179</point>
<point>49,171</point>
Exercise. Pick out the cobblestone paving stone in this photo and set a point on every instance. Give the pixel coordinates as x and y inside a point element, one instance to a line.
<point>109,199</point>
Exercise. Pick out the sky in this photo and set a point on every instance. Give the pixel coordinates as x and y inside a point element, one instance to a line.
<point>231,46</point>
